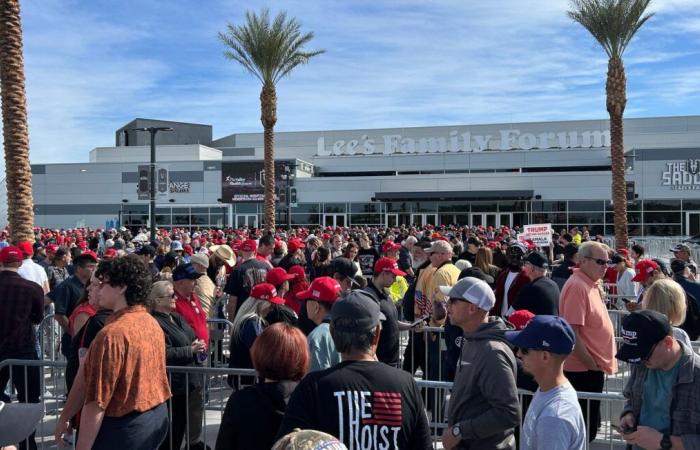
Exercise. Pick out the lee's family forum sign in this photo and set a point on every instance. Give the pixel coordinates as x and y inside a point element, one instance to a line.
<point>540,234</point>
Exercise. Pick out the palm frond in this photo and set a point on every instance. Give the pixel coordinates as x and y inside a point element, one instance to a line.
<point>613,23</point>
<point>268,50</point>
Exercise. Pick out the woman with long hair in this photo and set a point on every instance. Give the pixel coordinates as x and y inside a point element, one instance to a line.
<point>484,262</point>
<point>249,323</point>
<point>668,297</point>
<point>281,356</point>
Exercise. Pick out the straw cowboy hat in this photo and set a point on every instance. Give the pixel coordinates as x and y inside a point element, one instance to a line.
<point>225,253</point>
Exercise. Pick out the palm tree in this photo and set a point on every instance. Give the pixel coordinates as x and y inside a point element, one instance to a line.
<point>20,209</point>
<point>613,23</point>
<point>269,51</point>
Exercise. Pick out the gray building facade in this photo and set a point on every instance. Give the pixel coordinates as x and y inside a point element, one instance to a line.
<point>498,174</point>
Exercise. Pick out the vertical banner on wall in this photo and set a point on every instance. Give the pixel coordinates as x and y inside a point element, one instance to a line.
<point>143,187</point>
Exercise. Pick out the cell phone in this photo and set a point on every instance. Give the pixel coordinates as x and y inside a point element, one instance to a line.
<point>621,430</point>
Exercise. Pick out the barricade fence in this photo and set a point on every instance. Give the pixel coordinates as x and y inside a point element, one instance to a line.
<point>203,407</point>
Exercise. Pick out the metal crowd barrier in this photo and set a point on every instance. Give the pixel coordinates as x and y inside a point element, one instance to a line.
<point>436,396</point>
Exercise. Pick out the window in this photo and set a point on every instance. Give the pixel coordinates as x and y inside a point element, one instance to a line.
<point>592,205</point>
<point>306,219</point>
<point>364,208</point>
<point>398,207</point>
<point>484,206</point>
<point>365,219</point>
<point>246,208</point>
<point>548,206</point>
<point>691,205</point>
<point>662,217</point>
<point>334,207</point>
<point>306,208</point>
<point>453,207</point>
<point>662,230</point>
<point>583,218</point>
<point>516,205</point>
<point>662,205</point>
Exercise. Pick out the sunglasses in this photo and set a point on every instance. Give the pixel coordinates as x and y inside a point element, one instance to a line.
<point>600,262</point>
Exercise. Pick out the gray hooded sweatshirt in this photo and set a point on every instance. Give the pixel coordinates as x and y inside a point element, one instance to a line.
<point>484,399</point>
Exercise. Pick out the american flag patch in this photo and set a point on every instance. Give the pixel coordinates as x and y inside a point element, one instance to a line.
<point>386,409</point>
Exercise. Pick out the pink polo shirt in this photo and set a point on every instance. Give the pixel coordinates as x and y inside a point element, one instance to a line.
<point>581,304</point>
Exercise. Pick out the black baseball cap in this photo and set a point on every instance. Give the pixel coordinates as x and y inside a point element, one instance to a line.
<point>570,250</point>
<point>678,265</point>
<point>146,250</point>
<point>641,331</point>
<point>537,259</point>
<point>343,266</point>
<point>361,311</point>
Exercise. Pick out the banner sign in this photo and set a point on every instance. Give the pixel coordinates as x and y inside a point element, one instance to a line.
<point>244,182</point>
<point>540,234</point>
<point>143,187</point>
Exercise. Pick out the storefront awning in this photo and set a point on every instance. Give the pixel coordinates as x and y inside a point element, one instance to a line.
<point>454,195</point>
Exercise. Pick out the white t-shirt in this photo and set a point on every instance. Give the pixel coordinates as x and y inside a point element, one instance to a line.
<point>554,421</point>
<point>29,270</point>
<point>509,281</point>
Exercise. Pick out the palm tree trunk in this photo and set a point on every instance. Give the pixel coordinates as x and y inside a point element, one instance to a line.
<point>20,206</point>
<point>615,89</point>
<point>268,108</point>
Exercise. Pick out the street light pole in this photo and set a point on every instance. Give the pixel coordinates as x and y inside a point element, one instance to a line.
<point>152,177</point>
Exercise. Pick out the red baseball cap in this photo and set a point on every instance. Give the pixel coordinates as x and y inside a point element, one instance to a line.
<point>322,289</point>
<point>89,254</point>
<point>519,319</point>
<point>51,248</point>
<point>249,245</point>
<point>389,246</point>
<point>644,269</point>
<point>109,253</point>
<point>266,291</point>
<point>11,254</point>
<point>277,276</point>
<point>26,247</point>
<point>388,265</point>
<point>298,272</point>
<point>295,244</point>
<point>82,245</point>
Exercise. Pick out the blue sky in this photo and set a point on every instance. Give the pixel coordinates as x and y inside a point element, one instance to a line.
<point>92,66</point>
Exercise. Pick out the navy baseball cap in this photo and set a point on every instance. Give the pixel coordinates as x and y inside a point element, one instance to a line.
<point>185,271</point>
<point>641,331</point>
<point>360,308</point>
<point>543,332</point>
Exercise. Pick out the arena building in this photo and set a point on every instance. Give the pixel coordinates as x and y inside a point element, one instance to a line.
<point>498,174</point>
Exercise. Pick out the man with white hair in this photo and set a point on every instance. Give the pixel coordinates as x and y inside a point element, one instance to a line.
<point>406,257</point>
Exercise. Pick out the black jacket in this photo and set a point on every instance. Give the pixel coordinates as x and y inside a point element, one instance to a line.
<point>178,350</point>
<point>253,415</point>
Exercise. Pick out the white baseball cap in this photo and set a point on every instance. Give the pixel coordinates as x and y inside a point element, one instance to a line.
<point>473,290</point>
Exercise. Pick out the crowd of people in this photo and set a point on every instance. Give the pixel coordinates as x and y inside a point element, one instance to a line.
<point>318,313</point>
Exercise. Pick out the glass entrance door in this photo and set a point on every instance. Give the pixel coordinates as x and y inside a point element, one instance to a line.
<point>392,220</point>
<point>249,220</point>
<point>334,220</point>
<point>491,219</point>
<point>421,220</point>
<point>692,223</point>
